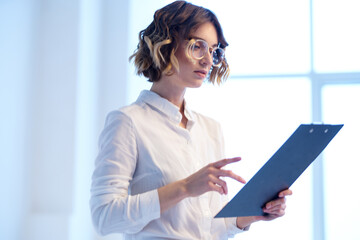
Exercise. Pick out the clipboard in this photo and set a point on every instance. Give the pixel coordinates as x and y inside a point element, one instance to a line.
<point>281,170</point>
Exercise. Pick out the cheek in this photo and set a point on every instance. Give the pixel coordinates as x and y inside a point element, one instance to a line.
<point>183,59</point>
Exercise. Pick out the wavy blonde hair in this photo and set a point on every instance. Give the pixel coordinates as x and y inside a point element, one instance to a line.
<point>155,53</point>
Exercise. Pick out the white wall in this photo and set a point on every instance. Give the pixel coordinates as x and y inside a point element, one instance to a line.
<point>62,68</point>
<point>51,119</point>
<point>15,26</point>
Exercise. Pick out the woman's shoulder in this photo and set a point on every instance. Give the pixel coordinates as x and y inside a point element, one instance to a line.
<point>125,113</point>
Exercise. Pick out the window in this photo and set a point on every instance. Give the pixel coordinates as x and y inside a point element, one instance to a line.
<point>336,35</point>
<point>341,105</point>
<point>292,62</point>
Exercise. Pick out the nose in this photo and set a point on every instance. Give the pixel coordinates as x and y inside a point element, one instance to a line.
<point>207,59</point>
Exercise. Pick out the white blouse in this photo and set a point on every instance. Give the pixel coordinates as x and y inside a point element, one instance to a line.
<point>143,148</point>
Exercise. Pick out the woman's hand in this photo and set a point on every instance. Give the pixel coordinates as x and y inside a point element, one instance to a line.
<point>205,180</point>
<point>274,209</point>
<point>209,178</point>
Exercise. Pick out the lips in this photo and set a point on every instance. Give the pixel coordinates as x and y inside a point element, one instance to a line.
<point>201,73</point>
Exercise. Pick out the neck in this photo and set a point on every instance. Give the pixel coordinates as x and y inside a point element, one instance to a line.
<point>174,94</point>
<point>171,93</point>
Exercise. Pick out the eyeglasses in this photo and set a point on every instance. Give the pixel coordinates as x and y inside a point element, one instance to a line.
<point>199,48</point>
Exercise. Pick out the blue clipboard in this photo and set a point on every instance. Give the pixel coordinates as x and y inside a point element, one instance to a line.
<point>281,170</point>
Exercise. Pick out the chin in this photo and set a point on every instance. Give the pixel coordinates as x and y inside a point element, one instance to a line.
<point>197,83</point>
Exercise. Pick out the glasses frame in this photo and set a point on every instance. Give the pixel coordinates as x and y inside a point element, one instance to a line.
<point>192,45</point>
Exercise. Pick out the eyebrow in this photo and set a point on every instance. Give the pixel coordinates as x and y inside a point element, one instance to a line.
<point>214,45</point>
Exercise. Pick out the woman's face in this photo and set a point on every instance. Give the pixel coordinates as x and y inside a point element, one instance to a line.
<point>193,72</point>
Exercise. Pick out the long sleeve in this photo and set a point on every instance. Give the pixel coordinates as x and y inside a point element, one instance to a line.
<point>113,209</point>
<point>143,148</point>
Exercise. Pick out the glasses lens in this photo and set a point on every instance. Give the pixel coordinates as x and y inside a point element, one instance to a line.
<point>218,56</point>
<point>199,49</point>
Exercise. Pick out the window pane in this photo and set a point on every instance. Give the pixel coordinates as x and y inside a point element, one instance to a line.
<point>336,35</point>
<point>257,116</point>
<point>341,104</point>
<point>265,37</point>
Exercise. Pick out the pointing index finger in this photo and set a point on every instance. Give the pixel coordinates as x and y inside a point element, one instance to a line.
<point>226,161</point>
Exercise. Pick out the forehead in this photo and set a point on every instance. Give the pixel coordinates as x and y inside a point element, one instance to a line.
<point>207,32</point>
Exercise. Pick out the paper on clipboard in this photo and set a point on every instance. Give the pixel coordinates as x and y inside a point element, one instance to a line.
<point>281,170</point>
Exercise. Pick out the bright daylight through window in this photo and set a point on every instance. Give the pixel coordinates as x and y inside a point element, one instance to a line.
<point>292,62</point>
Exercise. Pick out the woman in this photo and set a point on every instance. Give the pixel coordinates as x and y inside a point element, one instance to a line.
<point>159,173</point>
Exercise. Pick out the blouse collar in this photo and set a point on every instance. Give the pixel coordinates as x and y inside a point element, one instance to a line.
<point>169,109</point>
